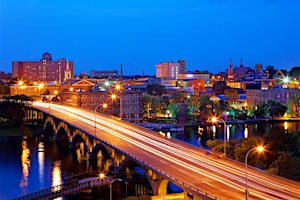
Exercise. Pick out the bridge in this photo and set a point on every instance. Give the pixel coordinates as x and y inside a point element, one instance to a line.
<point>114,145</point>
<point>72,185</point>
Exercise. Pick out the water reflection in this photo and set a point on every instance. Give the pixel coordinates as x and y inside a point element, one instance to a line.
<point>56,177</point>
<point>41,163</point>
<point>237,131</point>
<point>25,166</point>
<point>227,132</point>
<point>285,126</point>
<point>246,131</point>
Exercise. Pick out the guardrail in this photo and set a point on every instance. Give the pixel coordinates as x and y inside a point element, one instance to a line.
<point>187,186</point>
<point>74,185</point>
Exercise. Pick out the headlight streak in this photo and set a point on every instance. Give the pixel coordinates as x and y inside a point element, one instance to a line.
<point>172,148</point>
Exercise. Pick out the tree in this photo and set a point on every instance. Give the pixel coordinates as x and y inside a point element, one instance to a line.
<point>242,148</point>
<point>218,146</point>
<point>232,95</point>
<point>271,70</point>
<point>155,89</point>
<point>177,97</point>
<point>219,87</point>
<point>205,107</point>
<point>276,109</point>
<point>295,72</point>
<point>270,108</point>
<point>294,104</point>
<point>152,104</point>
<point>12,111</point>
<point>286,165</point>
<point>279,140</point>
<point>180,112</point>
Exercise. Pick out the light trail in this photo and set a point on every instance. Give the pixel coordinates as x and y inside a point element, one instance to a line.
<point>192,160</point>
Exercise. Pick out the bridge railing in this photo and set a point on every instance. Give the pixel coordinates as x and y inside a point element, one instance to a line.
<point>72,186</point>
<point>186,186</point>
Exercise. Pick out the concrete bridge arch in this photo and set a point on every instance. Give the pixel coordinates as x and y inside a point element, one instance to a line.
<point>106,158</point>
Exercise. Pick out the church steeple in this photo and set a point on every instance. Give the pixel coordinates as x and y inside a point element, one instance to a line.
<point>241,63</point>
<point>67,72</point>
<point>230,70</point>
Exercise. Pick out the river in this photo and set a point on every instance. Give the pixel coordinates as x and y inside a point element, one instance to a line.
<point>24,169</point>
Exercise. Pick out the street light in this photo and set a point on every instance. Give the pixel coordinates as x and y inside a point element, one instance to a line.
<point>104,105</point>
<point>259,149</point>
<point>110,187</point>
<point>215,120</point>
<point>118,87</point>
<point>41,85</point>
<point>114,96</point>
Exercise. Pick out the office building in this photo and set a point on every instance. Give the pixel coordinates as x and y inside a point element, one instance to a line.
<point>170,70</point>
<point>45,70</point>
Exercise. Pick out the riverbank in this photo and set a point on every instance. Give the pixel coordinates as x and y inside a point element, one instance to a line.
<point>262,120</point>
<point>16,132</point>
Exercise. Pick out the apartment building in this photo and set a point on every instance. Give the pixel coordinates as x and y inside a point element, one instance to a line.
<point>45,70</point>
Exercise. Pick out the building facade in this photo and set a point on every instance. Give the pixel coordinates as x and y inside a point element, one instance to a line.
<point>170,70</point>
<point>256,96</point>
<point>128,104</point>
<point>45,70</point>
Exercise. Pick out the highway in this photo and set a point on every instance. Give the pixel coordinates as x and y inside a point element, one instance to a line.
<point>196,168</point>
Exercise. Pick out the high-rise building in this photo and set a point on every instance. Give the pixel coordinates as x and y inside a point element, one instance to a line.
<point>170,70</point>
<point>45,70</point>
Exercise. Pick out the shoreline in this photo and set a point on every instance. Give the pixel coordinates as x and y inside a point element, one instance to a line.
<point>161,126</point>
<point>16,132</point>
<point>262,120</point>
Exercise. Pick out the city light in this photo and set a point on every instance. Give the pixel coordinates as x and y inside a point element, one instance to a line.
<point>104,105</point>
<point>20,82</point>
<point>118,87</point>
<point>106,83</point>
<point>258,149</point>
<point>114,96</point>
<point>286,80</point>
<point>102,176</point>
<point>215,120</point>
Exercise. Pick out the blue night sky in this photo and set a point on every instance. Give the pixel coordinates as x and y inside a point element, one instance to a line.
<point>102,34</point>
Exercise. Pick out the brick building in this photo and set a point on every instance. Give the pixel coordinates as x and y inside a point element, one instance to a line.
<point>45,70</point>
<point>128,103</point>
<point>256,96</point>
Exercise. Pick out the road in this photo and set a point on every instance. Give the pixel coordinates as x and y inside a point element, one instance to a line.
<point>187,164</point>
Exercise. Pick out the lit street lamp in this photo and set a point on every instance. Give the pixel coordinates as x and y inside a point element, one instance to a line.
<point>114,96</point>
<point>110,187</point>
<point>214,119</point>
<point>41,85</point>
<point>259,149</point>
<point>95,110</point>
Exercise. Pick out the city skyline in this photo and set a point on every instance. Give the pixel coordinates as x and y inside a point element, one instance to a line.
<point>103,35</point>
